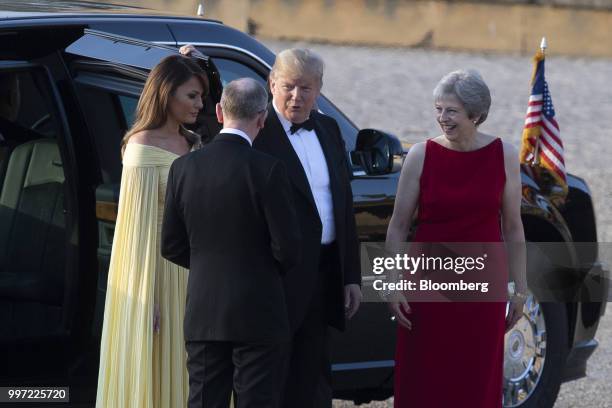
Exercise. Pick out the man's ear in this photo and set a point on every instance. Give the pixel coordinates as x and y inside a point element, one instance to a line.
<point>219,113</point>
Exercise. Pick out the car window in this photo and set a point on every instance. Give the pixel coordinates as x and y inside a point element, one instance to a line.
<point>116,49</point>
<point>22,103</point>
<point>230,70</point>
<point>347,128</point>
<point>128,108</point>
<point>108,117</point>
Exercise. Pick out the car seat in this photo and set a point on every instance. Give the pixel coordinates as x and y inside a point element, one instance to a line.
<point>32,225</point>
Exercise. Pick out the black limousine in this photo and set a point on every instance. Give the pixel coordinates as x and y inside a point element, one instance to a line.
<point>79,76</point>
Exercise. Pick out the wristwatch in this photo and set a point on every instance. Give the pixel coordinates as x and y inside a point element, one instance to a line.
<point>512,293</point>
<point>385,294</point>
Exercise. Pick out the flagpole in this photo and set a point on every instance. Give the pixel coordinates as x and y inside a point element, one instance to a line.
<point>536,152</point>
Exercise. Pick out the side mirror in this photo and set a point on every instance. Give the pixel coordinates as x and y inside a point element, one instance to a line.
<point>378,152</point>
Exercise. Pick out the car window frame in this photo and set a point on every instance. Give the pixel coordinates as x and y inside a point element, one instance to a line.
<point>107,79</point>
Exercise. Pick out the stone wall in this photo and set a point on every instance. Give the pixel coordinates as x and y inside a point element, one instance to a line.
<point>584,29</point>
<point>590,4</point>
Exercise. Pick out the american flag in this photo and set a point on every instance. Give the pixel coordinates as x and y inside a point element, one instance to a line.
<point>542,148</point>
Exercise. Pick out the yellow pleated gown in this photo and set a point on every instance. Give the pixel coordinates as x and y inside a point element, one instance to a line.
<point>140,368</point>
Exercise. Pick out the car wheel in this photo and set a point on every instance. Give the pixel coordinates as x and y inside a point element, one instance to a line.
<point>534,356</point>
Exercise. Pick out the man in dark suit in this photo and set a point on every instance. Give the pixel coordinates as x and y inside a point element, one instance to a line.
<point>324,288</point>
<point>230,219</point>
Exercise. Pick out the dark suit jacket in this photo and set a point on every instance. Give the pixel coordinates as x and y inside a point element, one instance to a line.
<point>300,283</point>
<point>229,218</point>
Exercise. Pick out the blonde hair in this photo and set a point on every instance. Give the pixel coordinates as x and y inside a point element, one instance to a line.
<point>298,61</point>
<point>152,109</point>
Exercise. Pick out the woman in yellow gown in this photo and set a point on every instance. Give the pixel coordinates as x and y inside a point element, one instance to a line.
<point>142,355</point>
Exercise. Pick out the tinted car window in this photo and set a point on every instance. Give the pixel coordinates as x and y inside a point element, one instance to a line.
<point>128,107</point>
<point>348,129</point>
<point>30,110</point>
<point>108,117</point>
<point>115,49</point>
<point>230,70</point>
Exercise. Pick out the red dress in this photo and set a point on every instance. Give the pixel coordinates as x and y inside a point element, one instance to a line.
<point>453,356</point>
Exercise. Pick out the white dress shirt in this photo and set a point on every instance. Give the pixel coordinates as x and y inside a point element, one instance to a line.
<point>308,149</point>
<point>237,132</point>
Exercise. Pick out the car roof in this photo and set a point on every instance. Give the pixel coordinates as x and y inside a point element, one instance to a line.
<point>136,22</point>
<point>17,9</point>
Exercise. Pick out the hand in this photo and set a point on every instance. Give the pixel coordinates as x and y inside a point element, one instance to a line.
<point>400,308</point>
<point>190,51</point>
<point>515,312</point>
<point>352,299</point>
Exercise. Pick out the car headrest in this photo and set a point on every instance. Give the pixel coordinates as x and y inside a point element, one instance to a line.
<point>45,164</point>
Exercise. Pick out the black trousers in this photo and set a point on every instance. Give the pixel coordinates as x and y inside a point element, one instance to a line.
<point>254,371</point>
<point>307,383</point>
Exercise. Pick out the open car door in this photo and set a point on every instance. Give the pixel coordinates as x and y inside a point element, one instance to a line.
<point>133,55</point>
<point>109,72</point>
<point>43,284</point>
<point>132,59</point>
<point>37,260</point>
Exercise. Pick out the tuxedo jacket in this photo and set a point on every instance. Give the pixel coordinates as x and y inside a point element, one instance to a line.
<point>300,282</point>
<point>230,219</point>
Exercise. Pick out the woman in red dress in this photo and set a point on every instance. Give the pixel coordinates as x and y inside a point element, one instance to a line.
<point>466,185</point>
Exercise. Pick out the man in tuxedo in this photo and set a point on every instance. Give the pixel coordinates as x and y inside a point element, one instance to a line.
<point>230,219</point>
<point>324,288</point>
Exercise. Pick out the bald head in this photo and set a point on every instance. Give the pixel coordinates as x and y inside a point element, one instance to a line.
<point>243,99</point>
<point>243,106</point>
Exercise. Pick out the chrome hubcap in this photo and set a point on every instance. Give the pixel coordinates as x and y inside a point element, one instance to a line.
<point>524,355</point>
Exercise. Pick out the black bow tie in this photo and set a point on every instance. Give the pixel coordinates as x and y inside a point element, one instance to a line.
<point>308,124</point>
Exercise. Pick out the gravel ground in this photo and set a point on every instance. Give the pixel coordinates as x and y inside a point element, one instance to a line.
<point>390,89</point>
